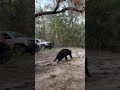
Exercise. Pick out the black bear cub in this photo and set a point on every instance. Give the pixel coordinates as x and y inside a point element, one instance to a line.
<point>63,53</point>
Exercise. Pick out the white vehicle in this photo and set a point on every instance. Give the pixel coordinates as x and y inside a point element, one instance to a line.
<point>43,43</point>
<point>18,42</point>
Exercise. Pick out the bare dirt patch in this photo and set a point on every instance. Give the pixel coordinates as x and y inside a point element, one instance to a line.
<point>16,74</point>
<point>67,75</point>
<point>105,70</point>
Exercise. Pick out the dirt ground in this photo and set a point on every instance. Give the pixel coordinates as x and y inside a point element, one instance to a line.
<point>105,70</point>
<point>18,74</point>
<point>67,75</point>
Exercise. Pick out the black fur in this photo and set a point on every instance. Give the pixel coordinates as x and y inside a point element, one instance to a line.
<point>63,53</point>
<point>86,67</point>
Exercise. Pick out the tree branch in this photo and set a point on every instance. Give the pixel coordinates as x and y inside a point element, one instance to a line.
<point>57,6</point>
<point>56,12</point>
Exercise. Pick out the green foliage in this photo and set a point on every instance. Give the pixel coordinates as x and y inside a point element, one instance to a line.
<point>61,32</point>
<point>102,24</point>
<point>17,15</point>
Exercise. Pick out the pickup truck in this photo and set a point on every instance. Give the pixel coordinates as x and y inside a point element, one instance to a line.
<point>44,44</point>
<point>18,42</point>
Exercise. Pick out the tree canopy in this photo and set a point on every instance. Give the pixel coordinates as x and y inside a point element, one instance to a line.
<point>64,28</point>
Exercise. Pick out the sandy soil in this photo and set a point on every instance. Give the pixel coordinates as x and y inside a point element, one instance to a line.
<point>67,75</point>
<point>18,74</point>
<point>105,70</point>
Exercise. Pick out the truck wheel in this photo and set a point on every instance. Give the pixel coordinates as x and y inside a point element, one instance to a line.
<point>50,47</point>
<point>20,50</point>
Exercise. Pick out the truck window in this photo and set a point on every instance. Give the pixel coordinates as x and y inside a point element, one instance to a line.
<point>16,35</point>
<point>5,35</point>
